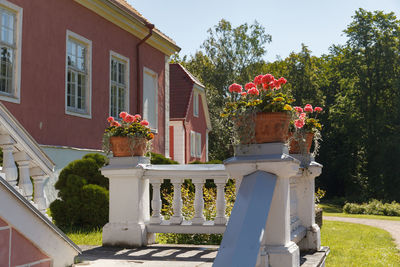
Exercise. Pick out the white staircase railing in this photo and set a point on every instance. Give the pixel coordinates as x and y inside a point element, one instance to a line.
<point>290,226</point>
<point>19,148</point>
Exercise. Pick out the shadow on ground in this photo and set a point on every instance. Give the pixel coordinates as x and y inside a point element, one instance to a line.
<point>151,253</point>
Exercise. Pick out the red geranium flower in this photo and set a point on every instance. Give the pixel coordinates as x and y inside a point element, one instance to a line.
<point>249,85</point>
<point>308,108</point>
<point>299,123</point>
<point>253,91</point>
<point>129,118</point>
<point>282,80</point>
<point>235,88</point>
<point>144,123</point>
<point>298,109</point>
<point>110,119</point>
<point>258,80</point>
<point>123,114</point>
<point>317,109</point>
<point>243,93</point>
<point>115,123</point>
<point>267,78</point>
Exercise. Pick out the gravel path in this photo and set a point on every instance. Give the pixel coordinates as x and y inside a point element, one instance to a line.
<point>393,227</point>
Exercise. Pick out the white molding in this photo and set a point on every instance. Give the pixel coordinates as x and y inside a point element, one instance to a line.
<point>88,44</point>
<point>16,94</point>
<point>5,228</point>
<point>125,60</point>
<point>195,103</point>
<point>167,105</point>
<point>155,77</point>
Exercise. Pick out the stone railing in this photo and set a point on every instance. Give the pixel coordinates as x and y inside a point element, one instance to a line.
<point>275,187</point>
<point>19,148</point>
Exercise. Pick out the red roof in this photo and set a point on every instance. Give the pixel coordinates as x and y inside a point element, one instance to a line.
<point>181,87</point>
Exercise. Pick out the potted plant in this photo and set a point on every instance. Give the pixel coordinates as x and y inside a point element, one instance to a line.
<point>261,113</point>
<point>305,129</point>
<point>128,137</point>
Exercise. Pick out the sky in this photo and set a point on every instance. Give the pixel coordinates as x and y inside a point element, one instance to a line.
<point>316,23</point>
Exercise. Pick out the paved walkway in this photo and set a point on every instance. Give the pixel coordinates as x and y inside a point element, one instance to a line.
<point>393,227</point>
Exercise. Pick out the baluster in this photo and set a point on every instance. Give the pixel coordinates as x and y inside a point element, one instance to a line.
<point>238,182</point>
<point>177,204</point>
<point>24,183</point>
<point>156,218</point>
<point>39,178</point>
<point>198,202</point>
<point>221,203</point>
<point>9,167</point>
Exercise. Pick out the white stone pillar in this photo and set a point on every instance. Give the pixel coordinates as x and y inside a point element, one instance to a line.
<point>276,248</point>
<point>39,178</point>
<point>24,183</point>
<point>306,206</point>
<point>9,168</point>
<point>129,202</point>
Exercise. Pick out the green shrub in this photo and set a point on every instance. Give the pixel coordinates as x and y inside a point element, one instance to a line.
<point>83,194</point>
<point>160,159</point>
<point>374,207</point>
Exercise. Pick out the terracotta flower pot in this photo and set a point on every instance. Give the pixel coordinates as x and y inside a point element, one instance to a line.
<point>121,146</point>
<point>271,127</point>
<point>295,147</point>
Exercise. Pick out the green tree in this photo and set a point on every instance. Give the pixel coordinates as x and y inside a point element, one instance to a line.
<point>228,55</point>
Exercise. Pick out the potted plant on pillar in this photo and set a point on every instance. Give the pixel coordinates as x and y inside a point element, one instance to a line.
<point>304,129</point>
<point>261,113</point>
<point>130,136</point>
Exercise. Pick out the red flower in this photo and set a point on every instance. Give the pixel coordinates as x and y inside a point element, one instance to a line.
<point>137,117</point>
<point>144,123</point>
<point>129,118</point>
<point>151,135</point>
<point>249,86</point>
<point>302,116</point>
<point>243,93</point>
<point>267,78</point>
<point>253,91</point>
<point>282,80</point>
<point>317,109</point>
<point>298,109</point>
<point>258,80</point>
<point>123,114</point>
<point>235,88</point>
<point>110,119</point>
<point>299,124</point>
<point>308,108</point>
<point>115,123</point>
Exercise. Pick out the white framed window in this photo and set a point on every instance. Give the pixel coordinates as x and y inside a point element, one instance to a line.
<point>192,144</point>
<point>198,145</point>
<point>78,74</point>
<point>150,98</point>
<point>195,104</point>
<point>195,144</point>
<point>119,84</point>
<point>10,51</point>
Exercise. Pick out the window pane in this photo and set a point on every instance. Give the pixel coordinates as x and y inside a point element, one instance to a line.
<point>113,70</point>
<point>121,99</point>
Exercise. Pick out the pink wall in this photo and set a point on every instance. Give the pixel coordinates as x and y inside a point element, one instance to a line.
<point>22,250</point>
<point>43,73</point>
<point>196,124</point>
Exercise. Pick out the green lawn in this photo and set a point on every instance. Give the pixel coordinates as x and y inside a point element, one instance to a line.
<point>358,245</point>
<point>335,210</point>
<point>85,237</point>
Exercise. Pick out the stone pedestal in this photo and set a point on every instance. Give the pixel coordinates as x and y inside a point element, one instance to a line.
<point>129,202</point>
<point>274,245</point>
<point>305,182</point>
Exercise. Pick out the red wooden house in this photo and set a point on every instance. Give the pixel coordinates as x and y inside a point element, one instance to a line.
<point>67,65</point>
<point>189,117</point>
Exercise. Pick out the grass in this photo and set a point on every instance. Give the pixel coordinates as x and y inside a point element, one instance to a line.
<point>84,236</point>
<point>358,245</point>
<point>336,210</point>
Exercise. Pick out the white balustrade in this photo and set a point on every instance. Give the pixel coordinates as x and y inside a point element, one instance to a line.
<point>177,203</point>
<point>156,202</point>
<point>221,203</point>
<point>198,202</point>
<point>19,147</point>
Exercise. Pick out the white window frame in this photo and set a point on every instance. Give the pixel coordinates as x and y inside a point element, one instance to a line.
<point>198,145</point>
<point>125,60</point>
<point>192,144</point>
<point>195,104</point>
<point>155,75</point>
<point>15,95</point>
<point>88,94</point>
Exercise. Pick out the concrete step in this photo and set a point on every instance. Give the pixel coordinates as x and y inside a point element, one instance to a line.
<point>168,255</point>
